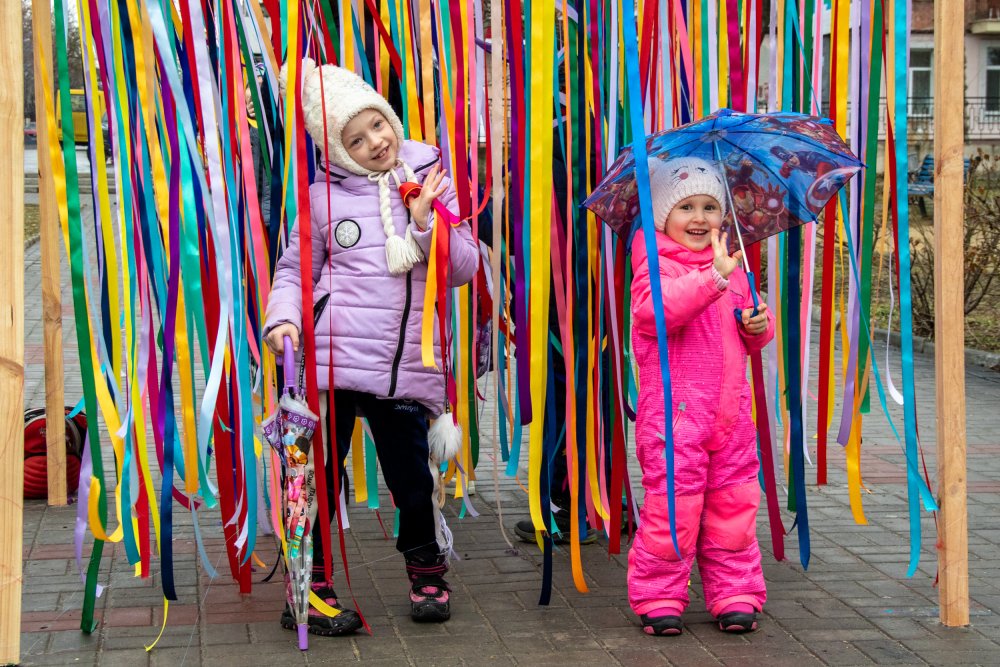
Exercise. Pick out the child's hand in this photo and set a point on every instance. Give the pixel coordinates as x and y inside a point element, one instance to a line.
<point>275,339</point>
<point>755,324</point>
<point>724,263</point>
<point>431,189</point>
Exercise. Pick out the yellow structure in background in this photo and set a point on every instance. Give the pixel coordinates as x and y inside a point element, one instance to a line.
<point>78,101</point>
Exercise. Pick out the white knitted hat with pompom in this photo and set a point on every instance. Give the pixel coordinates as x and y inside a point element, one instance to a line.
<point>342,95</point>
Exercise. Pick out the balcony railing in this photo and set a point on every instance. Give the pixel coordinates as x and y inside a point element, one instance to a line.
<point>983,10</point>
<point>982,118</point>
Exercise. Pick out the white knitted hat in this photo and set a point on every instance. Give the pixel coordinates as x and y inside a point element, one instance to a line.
<point>673,180</point>
<point>342,94</point>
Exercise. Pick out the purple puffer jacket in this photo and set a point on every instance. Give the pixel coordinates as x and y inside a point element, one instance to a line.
<point>369,319</point>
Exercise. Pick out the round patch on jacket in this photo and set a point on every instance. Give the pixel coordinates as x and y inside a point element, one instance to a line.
<point>348,233</point>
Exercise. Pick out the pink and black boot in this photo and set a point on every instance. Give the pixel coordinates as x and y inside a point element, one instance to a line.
<point>429,592</point>
<point>738,618</point>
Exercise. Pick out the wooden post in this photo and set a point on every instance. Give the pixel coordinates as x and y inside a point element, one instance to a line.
<point>11,329</point>
<point>55,422</point>
<point>949,310</point>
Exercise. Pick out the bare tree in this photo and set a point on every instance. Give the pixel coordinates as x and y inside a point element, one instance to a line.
<point>73,53</point>
<point>28,60</point>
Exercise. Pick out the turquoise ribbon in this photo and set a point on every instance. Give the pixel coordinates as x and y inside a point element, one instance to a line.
<point>922,491</point>
<point>905,298</point>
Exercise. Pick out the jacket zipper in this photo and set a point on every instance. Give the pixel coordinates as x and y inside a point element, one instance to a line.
<point>402,335</point>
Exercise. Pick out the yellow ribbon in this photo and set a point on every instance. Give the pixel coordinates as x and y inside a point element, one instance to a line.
<point>540,204</point>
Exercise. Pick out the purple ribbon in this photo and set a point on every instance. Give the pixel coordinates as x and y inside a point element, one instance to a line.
<point>82,504</point>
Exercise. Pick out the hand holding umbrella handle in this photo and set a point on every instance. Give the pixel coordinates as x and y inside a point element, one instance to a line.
<point>288,363</point>
<point>752,280</point>
<point>737,312</point>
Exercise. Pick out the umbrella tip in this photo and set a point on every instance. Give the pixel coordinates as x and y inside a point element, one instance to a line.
<point>303,636</point>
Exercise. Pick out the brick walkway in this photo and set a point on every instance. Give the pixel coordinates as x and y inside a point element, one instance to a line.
<point>854,606</point>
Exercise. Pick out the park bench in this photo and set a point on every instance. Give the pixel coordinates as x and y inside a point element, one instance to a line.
<point>921,182</point>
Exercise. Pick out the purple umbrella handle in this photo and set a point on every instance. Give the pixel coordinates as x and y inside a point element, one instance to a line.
<point>288,362</point>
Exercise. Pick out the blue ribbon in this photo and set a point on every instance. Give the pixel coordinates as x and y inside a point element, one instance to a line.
<point>240,342</point>
<point>649,236</point>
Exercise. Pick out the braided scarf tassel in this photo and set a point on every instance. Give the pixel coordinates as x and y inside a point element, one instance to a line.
<point>401,253</point>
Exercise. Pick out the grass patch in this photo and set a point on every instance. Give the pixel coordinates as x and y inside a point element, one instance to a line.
<point>982,325</point>
<point>32,217</point>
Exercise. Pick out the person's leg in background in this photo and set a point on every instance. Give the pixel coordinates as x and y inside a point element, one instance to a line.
<point>559,480</point>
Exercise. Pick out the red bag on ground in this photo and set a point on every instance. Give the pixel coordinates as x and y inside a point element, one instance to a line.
<point>35,452</point>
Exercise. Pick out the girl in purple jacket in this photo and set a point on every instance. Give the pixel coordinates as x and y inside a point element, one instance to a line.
<point>369,266</point>
<point>715,446</point>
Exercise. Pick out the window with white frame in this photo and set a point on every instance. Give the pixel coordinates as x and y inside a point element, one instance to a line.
<point>921,82</point>
<point>993,80</point>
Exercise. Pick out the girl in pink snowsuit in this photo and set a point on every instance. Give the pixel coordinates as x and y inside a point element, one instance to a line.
<point>715,455</point>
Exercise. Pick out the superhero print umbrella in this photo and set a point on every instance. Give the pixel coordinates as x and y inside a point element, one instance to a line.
<point>780,171</point>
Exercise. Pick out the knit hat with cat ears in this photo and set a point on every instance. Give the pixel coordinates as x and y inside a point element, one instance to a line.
<point>680,178</point>
<point>342,95</point>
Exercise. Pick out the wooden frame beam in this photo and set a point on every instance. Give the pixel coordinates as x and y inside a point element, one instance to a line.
<point>949,310</point>
<point>50,234</point>
<point>11,329</point>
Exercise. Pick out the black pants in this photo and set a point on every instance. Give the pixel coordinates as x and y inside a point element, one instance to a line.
<point>399,428</point>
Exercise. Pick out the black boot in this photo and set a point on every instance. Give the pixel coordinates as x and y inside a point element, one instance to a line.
<point>661,626</point>
<point>429,592</point>
<point>346,622</point>
<point>738,622</point>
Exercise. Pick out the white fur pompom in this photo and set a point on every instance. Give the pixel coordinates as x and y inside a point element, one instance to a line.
<point>444,439</point>
<point>307,67</point>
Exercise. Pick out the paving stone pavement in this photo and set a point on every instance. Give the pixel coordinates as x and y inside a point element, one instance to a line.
<point>853,606</point>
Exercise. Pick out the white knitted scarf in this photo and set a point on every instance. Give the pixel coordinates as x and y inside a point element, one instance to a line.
<point>401,254</point>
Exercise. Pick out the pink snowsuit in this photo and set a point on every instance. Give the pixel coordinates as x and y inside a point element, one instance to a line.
<point>715,450</point>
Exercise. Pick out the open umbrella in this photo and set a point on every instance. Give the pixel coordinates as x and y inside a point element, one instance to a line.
<point>289,431</point>
<point>780,171</point>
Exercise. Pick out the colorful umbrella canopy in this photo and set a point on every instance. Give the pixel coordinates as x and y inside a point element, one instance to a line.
<point>781,169</point>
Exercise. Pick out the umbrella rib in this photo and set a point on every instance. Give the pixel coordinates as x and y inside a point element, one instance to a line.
<point>806,140</point>
<point>701,126</point>
<point>696,136</point>
<point>744,121</point>
<point>698,129</point>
